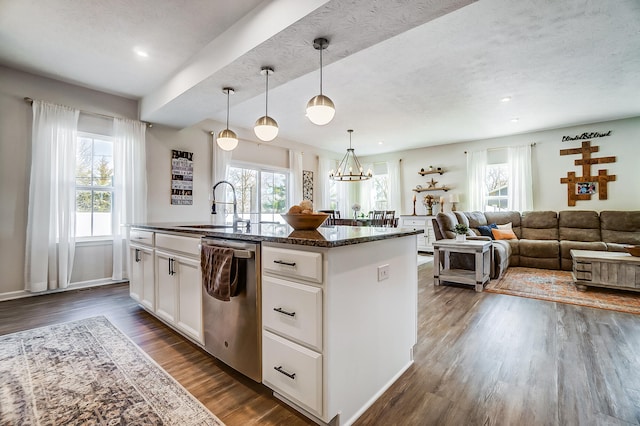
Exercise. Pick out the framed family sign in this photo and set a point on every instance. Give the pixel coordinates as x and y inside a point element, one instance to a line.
<point>181,178</point>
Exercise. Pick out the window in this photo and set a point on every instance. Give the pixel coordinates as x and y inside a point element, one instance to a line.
<point>261,193</point>
<point>497,187</point>
<point>94,185</point>
<point>379,195</point>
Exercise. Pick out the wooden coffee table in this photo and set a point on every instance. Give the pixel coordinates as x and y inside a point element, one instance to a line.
<point>605,269</point>
<point>480,249</point>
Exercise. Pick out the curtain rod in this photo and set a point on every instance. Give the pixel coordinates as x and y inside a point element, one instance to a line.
<point>496,149</point>
<point>97,114</point>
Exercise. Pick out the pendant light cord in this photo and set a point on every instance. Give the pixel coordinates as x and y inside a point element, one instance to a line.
<point>266,97</point>
<point>321,48</point>
<point>227,109</point>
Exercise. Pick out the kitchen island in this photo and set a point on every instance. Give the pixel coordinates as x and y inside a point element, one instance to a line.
<point>336,310</point>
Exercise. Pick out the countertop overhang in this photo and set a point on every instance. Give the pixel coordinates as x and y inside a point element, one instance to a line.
<point>324,236</point>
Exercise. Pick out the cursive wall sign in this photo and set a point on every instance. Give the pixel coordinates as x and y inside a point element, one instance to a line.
<point>586,135</point>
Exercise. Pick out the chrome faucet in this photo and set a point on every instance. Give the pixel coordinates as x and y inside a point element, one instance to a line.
<point>236,218</point>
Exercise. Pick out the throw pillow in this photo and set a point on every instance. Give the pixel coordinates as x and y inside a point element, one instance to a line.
<point>505,226</point>
<point>503,234</point>
<point>485,230</point>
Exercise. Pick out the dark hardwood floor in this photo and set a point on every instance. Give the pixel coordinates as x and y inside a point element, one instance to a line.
<point>481,359</point>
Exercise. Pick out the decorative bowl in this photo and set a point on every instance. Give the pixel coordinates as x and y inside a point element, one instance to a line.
<point>633,250</point>
<point>305,222</point>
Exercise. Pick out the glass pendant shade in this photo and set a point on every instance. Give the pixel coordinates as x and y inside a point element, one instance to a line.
<point>227,140</point>
<point>320,110</point>
<point>266,128</point>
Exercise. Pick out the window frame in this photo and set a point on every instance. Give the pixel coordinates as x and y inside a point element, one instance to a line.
<point>261,168</point>
<point>92,188</point>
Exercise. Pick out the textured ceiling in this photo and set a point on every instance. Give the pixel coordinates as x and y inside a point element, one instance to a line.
<point>406,73</point>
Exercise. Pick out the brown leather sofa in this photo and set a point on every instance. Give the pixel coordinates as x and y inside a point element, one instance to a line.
<point>545,238</point>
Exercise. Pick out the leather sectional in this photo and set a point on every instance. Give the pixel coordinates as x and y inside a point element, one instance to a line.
<point>545,238</point>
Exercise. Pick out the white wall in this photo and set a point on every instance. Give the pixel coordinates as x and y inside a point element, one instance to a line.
<point>15,152</point>
<point>548,166</point>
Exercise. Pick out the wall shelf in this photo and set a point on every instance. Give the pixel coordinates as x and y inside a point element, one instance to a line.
<point>442,188</point>
<point>426,172</point>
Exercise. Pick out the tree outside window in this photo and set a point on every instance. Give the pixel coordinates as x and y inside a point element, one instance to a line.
<point>262,193</point>
<point>497,187</point>
<point>94,186</point>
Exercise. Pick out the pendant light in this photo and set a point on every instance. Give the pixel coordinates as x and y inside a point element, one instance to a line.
<point>350,169</point>
<point>320,109</point>
<point>227,139</point>
<point>266,128</point>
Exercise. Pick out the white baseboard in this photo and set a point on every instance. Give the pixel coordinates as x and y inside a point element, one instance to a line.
<point>11,295</point>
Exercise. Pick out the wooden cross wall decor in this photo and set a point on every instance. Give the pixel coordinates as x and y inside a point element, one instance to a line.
<point>582,187</point>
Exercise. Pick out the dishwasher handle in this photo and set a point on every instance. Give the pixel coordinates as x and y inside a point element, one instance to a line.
<point>240,254</point>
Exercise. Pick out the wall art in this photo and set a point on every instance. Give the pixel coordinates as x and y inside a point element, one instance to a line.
<point>181,178</point>
<point>307,185</point>
<point>583,187</point>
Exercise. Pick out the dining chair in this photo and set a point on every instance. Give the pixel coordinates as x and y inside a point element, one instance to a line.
<point>378,218</point>
<point>389,216</point>
<point>333,215</point>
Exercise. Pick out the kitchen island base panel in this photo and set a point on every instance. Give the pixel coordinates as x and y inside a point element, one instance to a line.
<point>369,327</point>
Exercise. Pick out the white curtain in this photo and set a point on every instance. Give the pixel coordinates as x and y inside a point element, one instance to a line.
<point>364,193</point>
<point>50,242</point>
<point>295,180</point>
<point>221,162</point>
<point>477,172</point>
<point>130,185</point>
<point>395,186</point>
<point>521,185</point>
<point>323,198</point>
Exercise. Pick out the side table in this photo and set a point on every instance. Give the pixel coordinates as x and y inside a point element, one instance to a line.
<point>482,253</point>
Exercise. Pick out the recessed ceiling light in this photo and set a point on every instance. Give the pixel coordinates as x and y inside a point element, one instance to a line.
<point>141,53</point>
<point>515,119</point>
<point>380,143</point>
<point>505,99</point>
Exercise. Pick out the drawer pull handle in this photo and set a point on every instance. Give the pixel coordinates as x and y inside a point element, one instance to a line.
<point>279,369</point>
<point>282,262</point>
<point>282,311</point>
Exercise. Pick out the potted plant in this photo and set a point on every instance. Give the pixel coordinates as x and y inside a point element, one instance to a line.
<point>461,231</point>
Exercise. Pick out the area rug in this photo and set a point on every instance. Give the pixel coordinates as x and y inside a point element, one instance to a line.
<point>558,286</point>
<point>87,372</point>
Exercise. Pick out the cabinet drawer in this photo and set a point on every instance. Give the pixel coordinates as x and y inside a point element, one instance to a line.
<point>419,223</point>
<point>293,310</point>
<point>139,236</point>
<point>188,245</point>
<point>582,266</point>
<point>293,371</point>
<point>293,263</point>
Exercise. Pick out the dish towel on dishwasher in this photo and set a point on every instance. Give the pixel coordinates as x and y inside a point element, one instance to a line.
<point>219,271</point>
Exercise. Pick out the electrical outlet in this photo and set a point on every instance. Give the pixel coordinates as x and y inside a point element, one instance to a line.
<point>383,272</point>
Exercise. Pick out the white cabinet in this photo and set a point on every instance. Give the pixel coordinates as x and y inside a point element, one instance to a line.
<point>427,238</point>
<point>166,279</point>
<point>141,280</point>
<point>179,284</point>
<point>334,336</point>
<point>292,325</point>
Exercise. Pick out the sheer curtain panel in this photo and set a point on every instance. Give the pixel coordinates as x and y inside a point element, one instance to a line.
<point>395,186</point>
<point>477,175</point>
<point>50,242</point>
<point>295,182</point>
<point>130,184</point>
<point>521,185</point>
<point>323,199</point>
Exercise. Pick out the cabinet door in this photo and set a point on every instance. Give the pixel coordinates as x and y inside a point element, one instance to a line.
<point>136,279</point>
<point>166,304</point>
<point>148,283</point>
<point>189,287</point>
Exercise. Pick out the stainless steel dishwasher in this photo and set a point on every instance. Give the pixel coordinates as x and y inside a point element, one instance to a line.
<point>232,329</point>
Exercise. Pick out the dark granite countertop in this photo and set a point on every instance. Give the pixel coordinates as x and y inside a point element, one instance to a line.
<point>324,236</point>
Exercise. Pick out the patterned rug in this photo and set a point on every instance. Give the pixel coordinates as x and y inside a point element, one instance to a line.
<point>558,286</point>
<point>88,373</point>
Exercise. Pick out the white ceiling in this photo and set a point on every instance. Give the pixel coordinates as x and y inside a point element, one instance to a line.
<point>407,73</point>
